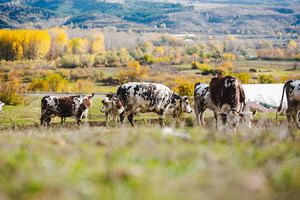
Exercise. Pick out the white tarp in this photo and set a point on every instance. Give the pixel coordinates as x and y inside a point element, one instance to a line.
<point>269,94</point>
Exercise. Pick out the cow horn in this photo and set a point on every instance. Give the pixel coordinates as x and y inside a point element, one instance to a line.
<point>93,94</point>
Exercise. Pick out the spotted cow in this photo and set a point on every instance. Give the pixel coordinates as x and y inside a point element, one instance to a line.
<point>52,106</point>
<point>292,90</point>
<point>151,97</point>
<point>228,96</point>
<point>202,101</point>
<point>112,107</point>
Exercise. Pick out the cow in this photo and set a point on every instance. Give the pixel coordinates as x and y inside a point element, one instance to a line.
<point>202,101</point>
<point>227,94</point>
<point>292,89</point>
<point>52,106</point>
<point>112,107</point>
<point>1,106</point>
<point>150,97</point>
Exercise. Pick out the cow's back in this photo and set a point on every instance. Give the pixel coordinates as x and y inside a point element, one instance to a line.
<point>147,96</point>
<point>226,90</point>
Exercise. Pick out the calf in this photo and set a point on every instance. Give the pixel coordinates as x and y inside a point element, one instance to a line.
<point>52,106</point>
<point>228,96</point>
<point>112,107</point>
<point>151,97</point>
<point>202,101</point>
<point>292,89</point>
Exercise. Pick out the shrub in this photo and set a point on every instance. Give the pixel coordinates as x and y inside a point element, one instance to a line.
<point>69,61</point>
<point>87,60</point>
<point>38,85</point>
<point>243,77</point>
<point>11,89</point>
<point>149,59</point>
<point>134,72</point>
<point>56,82</point>
<point>201,66</point>
<point>184,86</point>
<point>266,78</point>
<point>84,85</point>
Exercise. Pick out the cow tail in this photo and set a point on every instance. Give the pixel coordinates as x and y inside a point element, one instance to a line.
<point>280,106</point>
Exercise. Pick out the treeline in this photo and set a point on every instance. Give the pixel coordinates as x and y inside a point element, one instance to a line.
<point>50,44</point>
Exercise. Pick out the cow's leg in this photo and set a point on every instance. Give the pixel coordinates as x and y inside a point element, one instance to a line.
<point>61,120</point>
<point>201,116</point>
<point>288,114</point>
<point>216,119</point>
<point>106,119</point>
<point>130,119</point>
<point>48,121</point>
<point>122,117</point>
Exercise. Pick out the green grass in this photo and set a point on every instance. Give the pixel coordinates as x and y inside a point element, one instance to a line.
<point>145,163</point>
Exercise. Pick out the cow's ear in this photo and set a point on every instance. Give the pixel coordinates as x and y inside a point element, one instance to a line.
<point>184,98</point>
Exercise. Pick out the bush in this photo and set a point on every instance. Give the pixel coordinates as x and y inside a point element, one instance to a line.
<point>11,89</point>
<point>266,78</point>
<point>39,85</point>
<point>243,77</point>
<point>184,86</point>
<point>134,72</point>
<point>84,85</point>
<point>201,66</point>
<point>69,61</point>
<point>148,59</point>
<point>57,83</point>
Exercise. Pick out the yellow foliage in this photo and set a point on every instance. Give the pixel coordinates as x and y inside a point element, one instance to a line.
<point>59,42</point>
<point>97,45</point>
<point>135,72</point>
<point>184,86</point>
<point>57,83</point>
<point>38,85</point>
<point>201,66</point>
<point>29,44</point>
<point>84,85</point>
<point>229,56</point>
<point>78,46</point>
<point>11,88</point>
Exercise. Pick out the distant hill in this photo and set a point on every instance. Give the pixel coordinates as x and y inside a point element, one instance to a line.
<point>207,16</point>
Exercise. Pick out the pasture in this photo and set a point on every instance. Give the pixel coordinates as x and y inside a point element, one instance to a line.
<point>147,162</point>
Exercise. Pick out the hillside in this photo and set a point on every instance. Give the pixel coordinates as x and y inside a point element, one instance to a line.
<point>221,17</point>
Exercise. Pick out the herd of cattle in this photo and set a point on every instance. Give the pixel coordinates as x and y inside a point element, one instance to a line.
<point>223,95</point>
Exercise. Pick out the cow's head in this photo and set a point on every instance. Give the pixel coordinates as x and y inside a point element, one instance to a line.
<point>112,102</point>
<point>87,101</point>
<point>247,116</point>
<point>179,105</point>
<point>231,117</point>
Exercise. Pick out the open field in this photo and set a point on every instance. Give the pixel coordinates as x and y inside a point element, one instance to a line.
<point>149,163</point>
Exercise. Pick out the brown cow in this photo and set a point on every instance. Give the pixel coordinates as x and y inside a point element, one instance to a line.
<point>228,96</point>
<point>63,107</point>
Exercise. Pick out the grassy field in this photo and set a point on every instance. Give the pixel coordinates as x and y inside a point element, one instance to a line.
<point>149,163</point>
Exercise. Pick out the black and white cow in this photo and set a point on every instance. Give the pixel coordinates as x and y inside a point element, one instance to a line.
<point>1,106</point>
<point>202,101</point>
<point>228,95</point>
<point>151,97</point>
<point>112,107</point>
<point>52,106</point>
<point>292,89</point>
